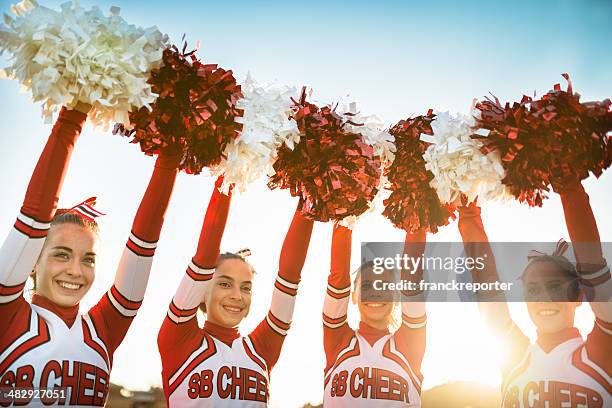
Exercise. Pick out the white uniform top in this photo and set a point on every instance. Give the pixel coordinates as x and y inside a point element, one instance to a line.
<point>217,375</point>
<point>564,377</point>
<point>78,369</point>
<point>367,375</point>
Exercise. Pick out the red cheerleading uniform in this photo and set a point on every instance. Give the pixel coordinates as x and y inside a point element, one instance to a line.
<point>560,369</point>
<point>369,367</point>
<point>215,366</point>
<point>47,347</point>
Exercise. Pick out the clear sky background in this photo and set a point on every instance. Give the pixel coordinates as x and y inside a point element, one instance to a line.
<point>395,58</point>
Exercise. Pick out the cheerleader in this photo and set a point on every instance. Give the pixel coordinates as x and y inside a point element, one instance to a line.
<point>50,353</point>
<point>561,368</point>
<point>371,366</point>
<point>215,366</point>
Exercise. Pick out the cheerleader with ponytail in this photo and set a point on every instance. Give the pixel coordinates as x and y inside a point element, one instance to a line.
<point>560,368</point>
<point>359,361</point>
<point>48,348</point>
<point>215,366</point>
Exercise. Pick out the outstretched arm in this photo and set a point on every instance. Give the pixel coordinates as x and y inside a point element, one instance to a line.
<point>336,331</point>
<point>180,335</point>
<point>268,337</point>
<point>411,335</point>
<point>114,313</point>
<point>23,245</point>
<point>594,273</point>
<point>493,306</point>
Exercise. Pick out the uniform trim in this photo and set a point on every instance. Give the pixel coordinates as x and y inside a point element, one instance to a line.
<point>123,305</point>
<point>277,325</point>
<point>352,350</point>
<point>29,231</point>
<point>286,286</point>
<point>209,350</point>
<point>249,347</point>
<point>519,369</point>
<point>10,293</point>
<point>39,339</point>
<point>414,322</point>
<point>338,293</point>
<point>394,355</point>
<point>178,315</point>
<point>581,361</point>
<point>333,323</point>
<point>606,327</point>
<point>199,274</point>
<point>139,250</point>
<point>101,349</point>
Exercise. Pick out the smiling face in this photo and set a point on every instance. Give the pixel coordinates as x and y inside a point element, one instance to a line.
<point>228,298</point>
<point>66,267</point>
<point>551,296</point>
<point>375,306</point>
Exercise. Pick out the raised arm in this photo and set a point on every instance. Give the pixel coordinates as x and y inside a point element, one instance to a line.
<point>493,306</point>
<point>411,335</point>
<point>180,335</point>
<point>595,275</point>
<point>23,245</point>
<point>336,331</point>
<point>114,313</point>
<point>268,337</point>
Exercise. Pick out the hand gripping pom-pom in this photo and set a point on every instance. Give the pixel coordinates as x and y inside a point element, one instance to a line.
<point>77,55</point>
<point>413,204</point>
<point>332,170</point>
<point>195,113</point>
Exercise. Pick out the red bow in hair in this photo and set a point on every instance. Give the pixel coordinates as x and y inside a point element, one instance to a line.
<point>562,247</point>
<point>86,209</point>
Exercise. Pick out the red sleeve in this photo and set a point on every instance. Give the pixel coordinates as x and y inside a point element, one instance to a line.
<point>23,245</point>
<point>113,314</point>
<point>336,331</point>
<point>412,334</point>
<point>595,275</point>
<point>179,334</point>
<point>269,335</point>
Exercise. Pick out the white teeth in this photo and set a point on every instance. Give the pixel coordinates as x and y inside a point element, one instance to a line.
<point>68,285</point>
<point>375,304</point>
<point>232,309</point>
<point>547,312</point>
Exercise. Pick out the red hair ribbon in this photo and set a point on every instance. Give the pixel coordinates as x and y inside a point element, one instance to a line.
<point>562,247</point>
<point>86,209</point>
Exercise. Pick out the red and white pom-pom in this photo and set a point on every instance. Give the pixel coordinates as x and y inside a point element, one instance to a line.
<point>375,134</point>
<point>195,114</point>
<point>266,126</point>
<point>332,170</point>
<point>413,204</point>
<point>457,163</point>
<point>548,141</point>
<point>77,55</point>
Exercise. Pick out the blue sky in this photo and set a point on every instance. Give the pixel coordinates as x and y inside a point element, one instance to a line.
<point>395,58</point>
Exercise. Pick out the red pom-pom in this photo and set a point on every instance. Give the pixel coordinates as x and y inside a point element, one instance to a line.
<point>332,170</point>
<point>550,141</point>
<point>194,114</point>
<point>413,203</point>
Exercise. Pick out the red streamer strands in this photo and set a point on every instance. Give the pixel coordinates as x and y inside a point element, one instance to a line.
<point>547,142</point>
<point>413,203</point>
<point>332,170</point>
<point>194,114</point>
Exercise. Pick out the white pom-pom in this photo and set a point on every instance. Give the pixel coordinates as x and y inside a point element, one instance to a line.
<point>77,55</point>
<point>376,135</point>
<point>265,128</point>
<point>458,165</point>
